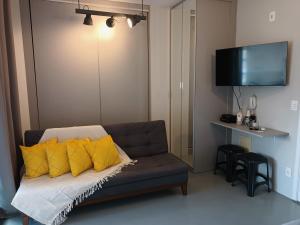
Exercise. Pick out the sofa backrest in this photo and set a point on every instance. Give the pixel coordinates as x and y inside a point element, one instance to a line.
<point>140,139</point>
<point>136,139</point>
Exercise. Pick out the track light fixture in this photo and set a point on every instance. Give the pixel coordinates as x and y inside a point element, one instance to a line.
<point>135,19</point>
<point>88,20</point>
<point>132,20</point>
<point>88,16</point>
<point>110,22</point>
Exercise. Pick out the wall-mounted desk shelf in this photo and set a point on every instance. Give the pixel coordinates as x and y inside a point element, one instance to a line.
<point>261,134</point>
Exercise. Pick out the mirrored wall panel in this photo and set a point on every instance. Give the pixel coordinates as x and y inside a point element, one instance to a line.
<point>183,44</point>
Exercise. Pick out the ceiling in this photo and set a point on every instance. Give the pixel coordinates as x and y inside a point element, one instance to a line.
<point>164,3</point>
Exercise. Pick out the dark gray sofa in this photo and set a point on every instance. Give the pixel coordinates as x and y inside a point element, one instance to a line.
<point>156,168</point>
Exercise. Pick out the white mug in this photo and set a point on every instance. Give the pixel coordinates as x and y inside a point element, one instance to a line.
<point>239,118</point>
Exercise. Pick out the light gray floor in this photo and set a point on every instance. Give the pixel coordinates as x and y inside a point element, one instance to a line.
<point>211,201</point>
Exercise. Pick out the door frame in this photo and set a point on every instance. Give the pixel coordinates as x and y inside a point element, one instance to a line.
<point>296,179</point>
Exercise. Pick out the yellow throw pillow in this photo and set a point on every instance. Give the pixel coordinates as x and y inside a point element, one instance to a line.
<point>103,152</point>
<point>58,159</point>
<point>83,140</point>
<point>79,158</point>
<point>35,159</point>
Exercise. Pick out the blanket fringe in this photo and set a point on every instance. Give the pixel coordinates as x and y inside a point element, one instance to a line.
<point>62,216</point>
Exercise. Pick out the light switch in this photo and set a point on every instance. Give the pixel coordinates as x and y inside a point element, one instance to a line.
<point>272,16</point>
<point>288,172</point>
<point>294,105</point>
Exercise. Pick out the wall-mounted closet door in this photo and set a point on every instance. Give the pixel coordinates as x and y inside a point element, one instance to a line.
<point>176,79</point>
<point>88,74</point>
<point>183,43</point>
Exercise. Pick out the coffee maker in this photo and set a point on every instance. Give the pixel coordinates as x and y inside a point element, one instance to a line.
<point>250,119</point>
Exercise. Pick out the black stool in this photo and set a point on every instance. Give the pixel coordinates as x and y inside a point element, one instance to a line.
<point>249,172</point>
<point>229,151</point>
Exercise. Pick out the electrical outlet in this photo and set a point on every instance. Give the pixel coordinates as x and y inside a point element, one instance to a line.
<point>288,172</point>
<point>294,105</point>
<point>272,16</point>
<point>246,142</point>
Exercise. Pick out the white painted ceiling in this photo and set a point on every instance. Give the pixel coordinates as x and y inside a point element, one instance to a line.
<point>164,3</point>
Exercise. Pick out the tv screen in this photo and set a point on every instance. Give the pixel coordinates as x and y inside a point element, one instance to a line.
<point>256,65</point>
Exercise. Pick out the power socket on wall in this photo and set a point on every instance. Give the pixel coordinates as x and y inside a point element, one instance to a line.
<point>288,172</point>
<point>294,105</point>
<point>272,16</point>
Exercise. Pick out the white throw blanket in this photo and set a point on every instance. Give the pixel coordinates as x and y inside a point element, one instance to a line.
<point>49,200</point>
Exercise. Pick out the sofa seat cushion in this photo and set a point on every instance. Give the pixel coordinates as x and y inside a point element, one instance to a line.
<point>139,187</point>
<point>150,167</point>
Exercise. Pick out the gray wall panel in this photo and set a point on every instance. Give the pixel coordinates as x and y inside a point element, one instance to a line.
<point>123,72</point>
<point>74,62</point>
<point>215,29</point>
<point>66,66</point>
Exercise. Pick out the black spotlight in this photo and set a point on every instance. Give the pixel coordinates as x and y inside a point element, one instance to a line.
<point>88,20</point>
<point>110,22</point>
<point>133,20</point>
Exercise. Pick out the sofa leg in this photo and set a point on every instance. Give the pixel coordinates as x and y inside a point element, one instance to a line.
<point>184,189</point>
<point>25,219</point>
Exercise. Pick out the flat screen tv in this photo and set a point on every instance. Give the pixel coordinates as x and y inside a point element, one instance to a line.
<point>256,65</point>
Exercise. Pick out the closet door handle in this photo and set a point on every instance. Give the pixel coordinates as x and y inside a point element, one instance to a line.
<point>180,85</point>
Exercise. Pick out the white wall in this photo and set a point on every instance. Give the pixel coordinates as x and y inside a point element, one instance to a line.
<point>253,27</point>
<point>160,64</point>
